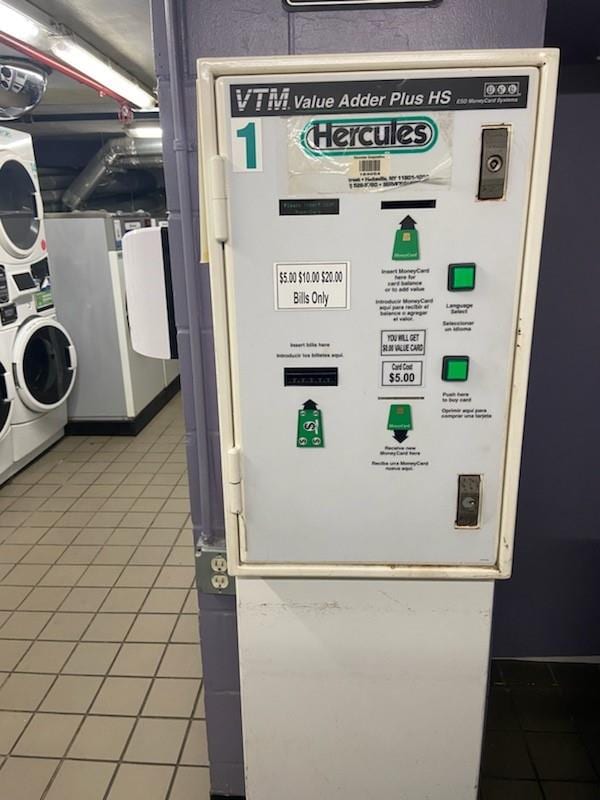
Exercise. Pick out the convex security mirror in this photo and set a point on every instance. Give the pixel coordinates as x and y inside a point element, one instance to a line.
<point>22,87</point>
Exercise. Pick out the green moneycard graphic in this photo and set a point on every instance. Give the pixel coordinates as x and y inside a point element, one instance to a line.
<point>400,418</point>
<point>406,241</point>
<point>406,246</point>
<point>310,426</point>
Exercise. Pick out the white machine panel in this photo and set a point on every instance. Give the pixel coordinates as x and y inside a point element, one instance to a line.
<point>374,260</point>
<point>345,687</point>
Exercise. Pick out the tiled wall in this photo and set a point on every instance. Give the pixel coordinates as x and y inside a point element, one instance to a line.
<point>258,27</point>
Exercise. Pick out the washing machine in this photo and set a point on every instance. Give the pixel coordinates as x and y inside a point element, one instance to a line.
<point>118,390</point>
<point>44,366</point>
<point>22,235</point>
<point>37,354</point>
<point>39,366</point>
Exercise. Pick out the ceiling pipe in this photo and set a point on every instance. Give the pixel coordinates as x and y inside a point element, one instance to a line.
<point>140,162</point>
<point>126,183</point>
<point>104,162</point>
<point>132,183</point>
<point>59,66</point>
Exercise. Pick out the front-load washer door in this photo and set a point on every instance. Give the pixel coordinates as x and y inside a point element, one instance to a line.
<point>20,209</point>
<point>7,397</point>
<point>45,364</point>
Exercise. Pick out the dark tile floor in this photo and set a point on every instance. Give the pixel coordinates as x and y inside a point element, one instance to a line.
<point>542,739</point>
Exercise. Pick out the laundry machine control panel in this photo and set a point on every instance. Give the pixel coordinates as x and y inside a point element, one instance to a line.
<point>373,237</point>
<point>28,290</point>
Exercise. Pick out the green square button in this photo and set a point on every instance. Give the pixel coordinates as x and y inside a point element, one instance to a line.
<point>455,368</point>
<point>461,277</point>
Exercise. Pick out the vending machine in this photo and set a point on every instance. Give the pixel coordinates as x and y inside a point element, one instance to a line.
<point>373,227</point>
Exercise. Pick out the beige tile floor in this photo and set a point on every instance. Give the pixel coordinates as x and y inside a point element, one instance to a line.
<point>100,675</point>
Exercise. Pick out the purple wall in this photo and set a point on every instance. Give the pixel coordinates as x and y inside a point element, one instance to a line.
<point>550,607</point>
<point>262,27</point>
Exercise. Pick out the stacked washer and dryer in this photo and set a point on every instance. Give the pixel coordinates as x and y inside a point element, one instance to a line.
<point>38,362</point>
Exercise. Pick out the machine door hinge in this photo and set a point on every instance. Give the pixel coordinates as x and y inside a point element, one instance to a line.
<point>234,476</point>
<point>218,199</point>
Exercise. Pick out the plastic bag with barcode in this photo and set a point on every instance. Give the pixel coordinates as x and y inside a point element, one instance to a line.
<point>368,154</point>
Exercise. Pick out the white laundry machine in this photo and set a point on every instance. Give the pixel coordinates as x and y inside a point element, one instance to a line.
<point>37,354</point>
<point>39,363</point>
<point>44,366</point>
<point>22,235</point>
<point>118,390</point>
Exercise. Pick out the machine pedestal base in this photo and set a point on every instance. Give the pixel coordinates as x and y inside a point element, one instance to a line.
<point>359,688</point>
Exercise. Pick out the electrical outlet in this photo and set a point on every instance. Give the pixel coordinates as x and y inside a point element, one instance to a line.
<point>211,571</point>
<point>219,564</point>
<point>220,582</point>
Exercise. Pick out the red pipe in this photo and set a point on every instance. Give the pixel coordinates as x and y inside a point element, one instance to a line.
<point>54,63</point>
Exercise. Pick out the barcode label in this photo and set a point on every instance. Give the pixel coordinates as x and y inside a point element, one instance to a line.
<point>370,171</point>
<point>369,166</point>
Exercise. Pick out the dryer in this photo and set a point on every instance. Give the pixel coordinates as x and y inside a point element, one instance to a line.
<point>22,235</point>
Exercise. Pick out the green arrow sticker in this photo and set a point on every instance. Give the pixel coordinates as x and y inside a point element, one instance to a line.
<point>406,242</point>
<point>310,426</point>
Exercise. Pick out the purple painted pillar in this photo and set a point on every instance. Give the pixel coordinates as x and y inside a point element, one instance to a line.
<point>203,28</point>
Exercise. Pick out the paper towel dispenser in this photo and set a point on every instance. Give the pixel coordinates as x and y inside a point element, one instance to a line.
<point>148,285</point>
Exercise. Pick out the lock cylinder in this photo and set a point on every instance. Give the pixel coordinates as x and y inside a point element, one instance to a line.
<point>494,163</point>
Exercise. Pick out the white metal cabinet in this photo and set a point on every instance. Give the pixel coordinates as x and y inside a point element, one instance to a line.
<point>336,289</point>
